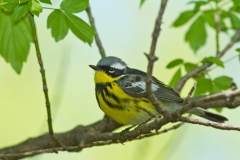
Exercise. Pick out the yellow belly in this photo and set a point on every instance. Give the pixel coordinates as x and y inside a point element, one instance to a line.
<point>124,108</point>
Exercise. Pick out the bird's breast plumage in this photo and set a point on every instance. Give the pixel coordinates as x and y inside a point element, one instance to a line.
<point>121,107</point>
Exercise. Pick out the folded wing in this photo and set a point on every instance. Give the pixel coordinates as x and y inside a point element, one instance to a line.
<point>133,83</point>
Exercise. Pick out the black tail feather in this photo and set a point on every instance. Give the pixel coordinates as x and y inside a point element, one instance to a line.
<point>214,117</point>
<point>208,115</point>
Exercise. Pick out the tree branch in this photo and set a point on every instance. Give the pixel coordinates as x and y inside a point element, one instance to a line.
<point>82,137</point>
<point>190,74</point>
<point>82,145</point>
<point>98,133</point>
<point>152,58</point>
<point>228,96</point>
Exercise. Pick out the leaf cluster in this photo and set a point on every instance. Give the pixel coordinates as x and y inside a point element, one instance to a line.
<point>205,85</point>
<point>211,13</point>
<point>16,30</point>
<point>219,15</point>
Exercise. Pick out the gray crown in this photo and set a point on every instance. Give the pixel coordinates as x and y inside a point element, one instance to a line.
<point>108,61</point>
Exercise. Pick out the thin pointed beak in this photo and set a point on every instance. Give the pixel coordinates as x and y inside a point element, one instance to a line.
<point>96,68</point>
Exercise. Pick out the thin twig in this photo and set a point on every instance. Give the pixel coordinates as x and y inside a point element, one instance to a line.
<point>160,132</point>
<point>217,28</point>
<point>190,94</point>
<point>97,39</point>
<point>190,74</point>
<point>221,126</point>
<point>44,80</point>
<point>231,43</point>
<point>152,58</point>
<point>181,110</point>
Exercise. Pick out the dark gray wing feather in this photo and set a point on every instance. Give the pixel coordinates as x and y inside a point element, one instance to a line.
<point>166,93</point>
<point>128,84</point>
<point>133,83</point>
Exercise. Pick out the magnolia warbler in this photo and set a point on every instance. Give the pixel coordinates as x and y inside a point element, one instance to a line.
<point>121,94</point>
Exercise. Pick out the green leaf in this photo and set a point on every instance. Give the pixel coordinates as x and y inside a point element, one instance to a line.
<point>34,7</point>
<point>46,1</point>
<point>57,21</point>
<point>209,18</point>
<point>215,89</point>
<point>214,60</point>
<point>74,6</point>
<point>141,3</point>
<point>198,4</point>
<point>196,35</point>
<point>203,86</point>
<point>22,1</point>
<point>219,110</point>
<point>20,11</point>
<point>224,14</point>
<point>223,82</point>
<point>183,18</point>
<point>175,78</point>
<point>15,38</point>
<point>80,28</point>
<point>236,2</point>
<point>236,6</point>
<point>8,5</point>
<point>174,63</point>
<point>189,66</point>
<point>234,20</point>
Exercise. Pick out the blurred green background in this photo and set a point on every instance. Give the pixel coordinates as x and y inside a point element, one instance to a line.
<point>125,31</point>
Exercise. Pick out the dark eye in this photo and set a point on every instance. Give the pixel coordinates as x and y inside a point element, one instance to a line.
<point>111,69</point>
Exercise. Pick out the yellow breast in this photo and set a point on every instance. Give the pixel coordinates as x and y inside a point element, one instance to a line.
<point>120,106</point>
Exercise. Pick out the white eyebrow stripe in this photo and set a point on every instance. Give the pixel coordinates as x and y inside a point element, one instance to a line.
<point>118,66</point>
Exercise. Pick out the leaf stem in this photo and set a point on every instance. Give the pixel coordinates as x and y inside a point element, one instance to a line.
<point>44,80</point>
<point>50,8</point>
<point>217,27</point>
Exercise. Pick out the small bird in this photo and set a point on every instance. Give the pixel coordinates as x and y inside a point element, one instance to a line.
<point>121,94</point>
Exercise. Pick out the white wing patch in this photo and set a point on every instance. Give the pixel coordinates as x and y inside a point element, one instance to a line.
<point>118,66</point>
<point>155,87</point>
<point>142,85</point>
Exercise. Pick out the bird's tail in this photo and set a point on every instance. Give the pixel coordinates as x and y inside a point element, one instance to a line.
<point>208,115</point>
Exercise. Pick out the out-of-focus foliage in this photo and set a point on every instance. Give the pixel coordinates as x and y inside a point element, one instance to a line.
<point>214,14</point>
<point>16,32</point>
<point>210,13</point>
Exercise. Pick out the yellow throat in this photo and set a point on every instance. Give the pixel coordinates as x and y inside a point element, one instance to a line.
<point>102,78</point>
